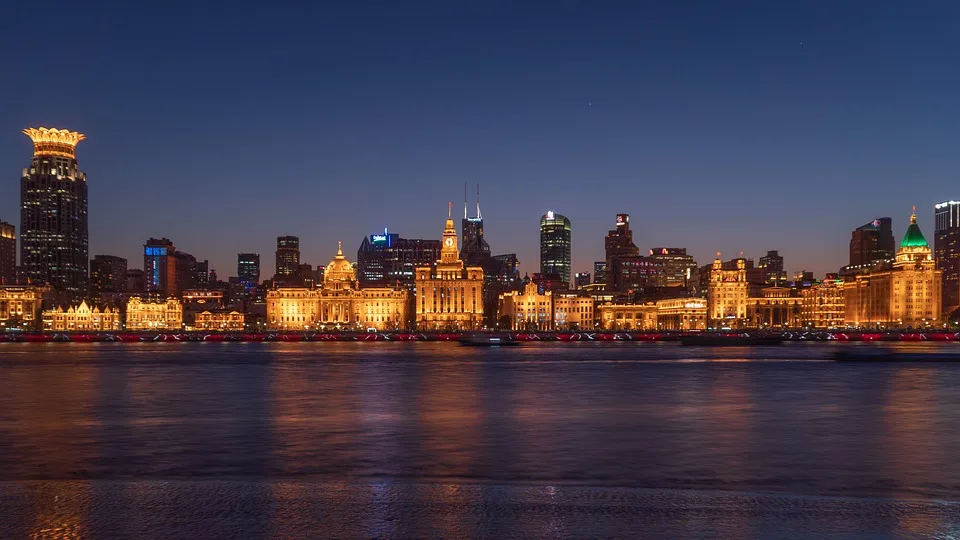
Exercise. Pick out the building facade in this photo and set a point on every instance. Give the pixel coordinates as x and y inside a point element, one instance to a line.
<point>82,319</point>
<point>872,242</point>
<point>53,214</point>
<point>682,314</point>
<point>20,307</point>
<point>8,254</point>
<point>771,268</point>
<point>160,267</point>
<point>946,252</point>
<point>555,245</point>
<point>905,293</point>
<point>288,256</point>
<point>385,260</point>
<point>108,274</point>
<point>339,303</point>
<point>449,295</point>
<point>154,314</point>
<point>474,249</point>
<point>536,309</point>
<point>248,268</point>
<point>219,321</point>
<point>678,267</point>
<point>823,305</point>
<point>775,307</point>
<point>731,284</point>
<point>635,317</point>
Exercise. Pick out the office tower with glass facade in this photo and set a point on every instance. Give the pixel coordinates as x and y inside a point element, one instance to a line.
<point>555,245</point>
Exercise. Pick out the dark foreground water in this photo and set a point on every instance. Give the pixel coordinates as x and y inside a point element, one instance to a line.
<point>247,440</point>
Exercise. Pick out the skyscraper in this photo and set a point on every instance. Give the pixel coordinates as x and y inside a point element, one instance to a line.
<point>555,245</point>
<point>288,255</point>
<point>107,274</point>
<point>387,259</point>
<point>771,266</point>
<point>946,250</point>
<point>53,213</point>
<point>160,267</point>
<point>475,250</point>
<point>678,267</point>
<point>872,242</point>
<point>248,268</point>
<point>8,254</point>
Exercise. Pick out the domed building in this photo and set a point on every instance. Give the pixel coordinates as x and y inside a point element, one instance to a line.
<point>905,293</point>
<point>337,304</point>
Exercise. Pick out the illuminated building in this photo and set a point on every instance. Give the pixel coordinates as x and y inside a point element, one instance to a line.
<point>386,259</point>
<point>774,307</point>
<point>81,319</point>
<point>678,267</point>
<point>20,307</point>
<point>872,242</point>
<point>160,267</point>
<point>946,251</point>
<point>628,316</point>
<point>771,267</point>
<point>449,295</point>
<point>338,303</point>
<point>617,245</point>
<point>904,293</point>
<point>154,314</point>
<point>555,246</point>
<point>196,301</point>
<point>288,255</point>
<point>538,309</point>
<point>731,283</point>
<point>219,320</point>
<point>8,254</point>
<point>108,274</point>
<point>53,214</point>
<point>581,280</point>
<point>682,314</point>
<point>475,251</point>
<point>823,305</point>
<point>248,268</point>
<point>600,272</point>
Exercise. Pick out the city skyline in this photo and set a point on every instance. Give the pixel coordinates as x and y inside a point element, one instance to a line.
<point>738,130</point>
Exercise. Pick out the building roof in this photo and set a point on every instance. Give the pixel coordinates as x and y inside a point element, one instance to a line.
<point>913,238</point>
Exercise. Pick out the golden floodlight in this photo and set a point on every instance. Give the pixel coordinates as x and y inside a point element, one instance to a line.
<point>53,141</point>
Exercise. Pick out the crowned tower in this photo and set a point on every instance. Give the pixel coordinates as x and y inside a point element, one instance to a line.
<point>53,214</point>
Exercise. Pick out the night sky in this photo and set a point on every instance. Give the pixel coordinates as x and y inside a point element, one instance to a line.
<point>719,126</point>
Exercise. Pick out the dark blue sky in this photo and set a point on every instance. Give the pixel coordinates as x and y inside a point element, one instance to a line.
<point>717,125</point>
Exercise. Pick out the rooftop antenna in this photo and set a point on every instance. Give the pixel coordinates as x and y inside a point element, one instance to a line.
<point>478,201</point>
<point>464,200</point>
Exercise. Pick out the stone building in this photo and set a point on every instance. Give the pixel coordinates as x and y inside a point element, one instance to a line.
<point>533,309</point>
<point>822,305</point>
<point>339,303</point>
<point>154,314</point>
<point>449,294</point>
<point>904,293</point>
<point>20,307</point>
<point>82,319</point>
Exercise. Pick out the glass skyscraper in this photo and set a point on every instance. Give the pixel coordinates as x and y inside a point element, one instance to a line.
<point>555,245</point>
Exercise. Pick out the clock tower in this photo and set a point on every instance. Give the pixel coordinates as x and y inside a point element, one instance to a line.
<point>449,295</point>
<point>449,253</point>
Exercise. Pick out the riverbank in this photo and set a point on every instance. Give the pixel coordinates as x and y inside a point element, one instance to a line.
<point>173,337</point>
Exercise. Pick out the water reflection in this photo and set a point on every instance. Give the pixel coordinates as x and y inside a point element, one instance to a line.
<point>776,420</point>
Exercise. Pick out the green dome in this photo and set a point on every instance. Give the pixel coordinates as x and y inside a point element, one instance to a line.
<point>913,238</point>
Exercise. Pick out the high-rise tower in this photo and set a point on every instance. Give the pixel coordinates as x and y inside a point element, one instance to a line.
<point>946,250</point>
<point>8,254</point>
<point>475,250</point>
<point>555,245</point>
<point>53,213</point>
<point>288,255</point>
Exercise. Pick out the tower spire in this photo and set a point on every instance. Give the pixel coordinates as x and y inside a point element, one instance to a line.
<point>464,200</point>
<point>913,216</point>
<point>450,210</point>
<point>479,216</point>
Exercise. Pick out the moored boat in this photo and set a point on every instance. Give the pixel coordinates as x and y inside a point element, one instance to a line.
<point>488,339</point>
